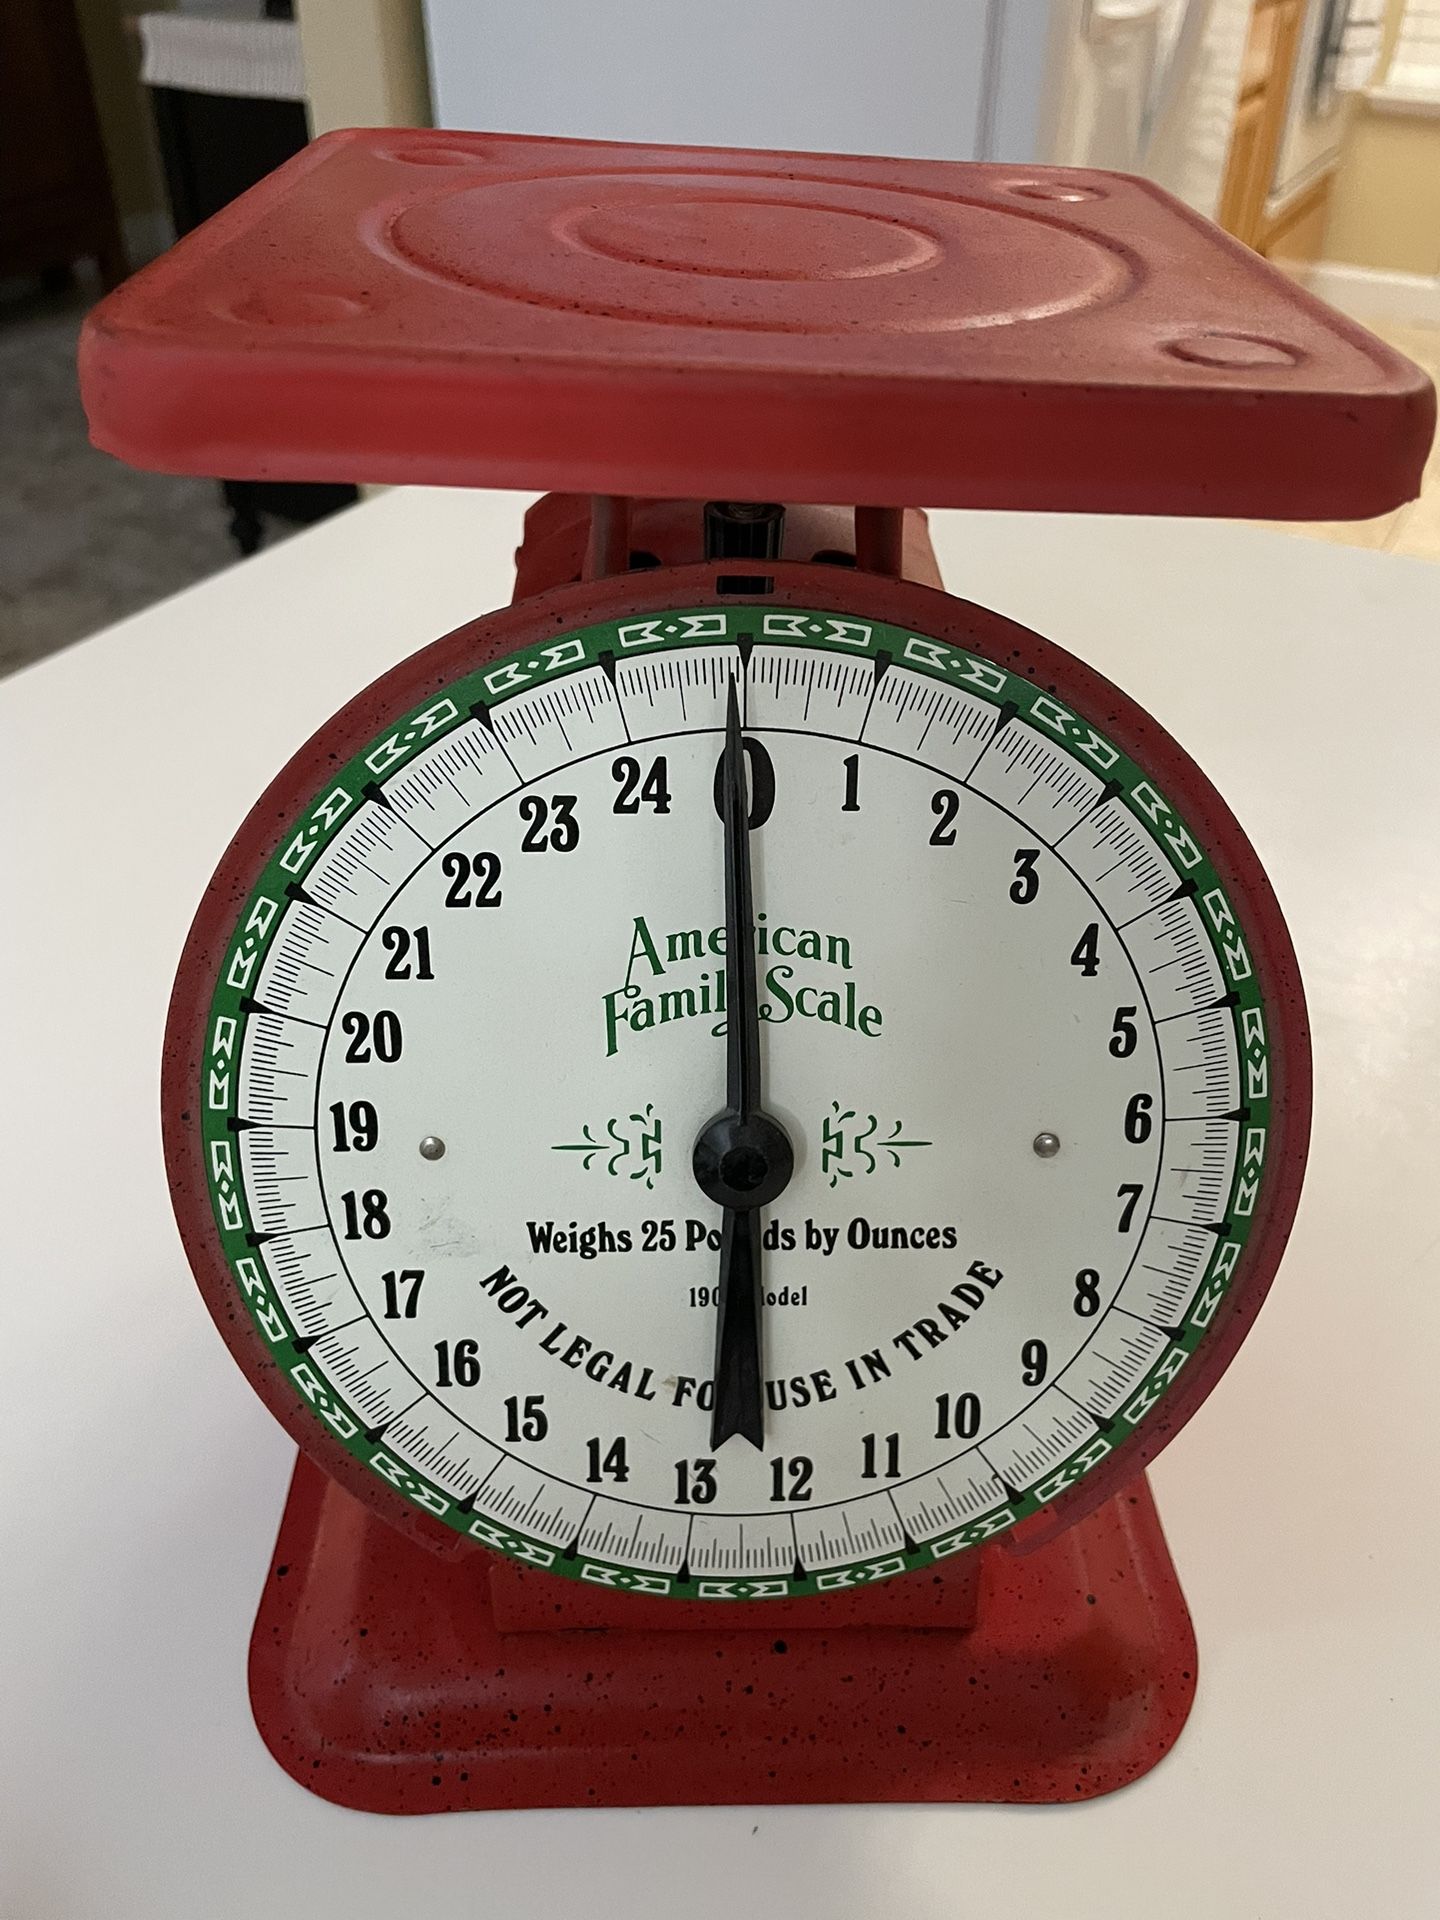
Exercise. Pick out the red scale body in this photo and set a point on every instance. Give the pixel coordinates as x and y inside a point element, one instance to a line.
<point>646,329</point>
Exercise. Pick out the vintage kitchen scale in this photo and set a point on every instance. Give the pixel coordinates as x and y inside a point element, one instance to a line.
<point>740,1075</point>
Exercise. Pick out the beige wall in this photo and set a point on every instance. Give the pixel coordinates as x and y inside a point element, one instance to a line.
<point>1385,212</point>
<point>364,66</point>
<point>113,54</point>
<point>364,63</point>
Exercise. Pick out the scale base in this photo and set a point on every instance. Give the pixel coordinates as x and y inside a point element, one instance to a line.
<point>379,1680</point>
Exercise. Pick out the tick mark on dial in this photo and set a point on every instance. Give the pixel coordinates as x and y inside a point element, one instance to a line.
<point>372,791</point>
<point>1106,794</point>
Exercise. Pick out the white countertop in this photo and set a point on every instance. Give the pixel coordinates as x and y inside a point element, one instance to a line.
<point>1300,1504</point>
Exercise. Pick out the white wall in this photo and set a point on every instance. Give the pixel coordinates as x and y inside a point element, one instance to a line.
<point>1312,140</point>
<point>1010,80</point>
<point>902,77</point>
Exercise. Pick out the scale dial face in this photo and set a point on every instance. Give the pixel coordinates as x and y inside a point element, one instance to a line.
<point>454,1014</point>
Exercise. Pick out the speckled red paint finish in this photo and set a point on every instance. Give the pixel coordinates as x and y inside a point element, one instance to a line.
<point>379,1680</point>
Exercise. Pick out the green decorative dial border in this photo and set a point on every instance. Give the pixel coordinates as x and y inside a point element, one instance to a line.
<point>602,644</point>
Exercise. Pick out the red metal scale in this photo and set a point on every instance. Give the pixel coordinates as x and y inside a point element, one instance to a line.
<point>647,329</point>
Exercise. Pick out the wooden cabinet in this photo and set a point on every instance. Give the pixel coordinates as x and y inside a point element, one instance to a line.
<point>1243,168</point>
<point>1297,233</point>
<point>55,202</point>
<point>1260,117</point>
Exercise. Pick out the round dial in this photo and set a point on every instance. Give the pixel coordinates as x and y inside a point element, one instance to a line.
<point>467,993</point>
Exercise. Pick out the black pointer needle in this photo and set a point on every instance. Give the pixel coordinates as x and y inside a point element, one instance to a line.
<point>743,1158</point>
<point>742,1030</point>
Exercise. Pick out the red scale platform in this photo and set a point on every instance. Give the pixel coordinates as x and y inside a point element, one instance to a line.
<point>660,326</point>
<point>485,310</point>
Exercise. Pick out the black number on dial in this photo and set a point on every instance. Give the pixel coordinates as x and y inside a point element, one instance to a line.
<point>402,1292</point>
<point>1138,1124</point>
<point>694,1483</point>
<point>945,805</point>
<point>851,802</point>
<point>357,1126</point>
<point>1123,1037</point>
<point>871,1454</point>
<point>561,835</point>
<point>1087,951</point>
<point>1026,884</point>
<point>606,1463</point>
<point>957,1416</point>
<point>397,942</point>
<point>654,790</point>
<point>1034,1359</point>
<point>458,869</point>
<point>382,1034</point>
<point>366,1214</point>
<point>526,1419</point>
<point>1130,1194</point>
<point>762,783</point>
<point>457,1364</point>
<point>1087,1293</point>
<point>798,1471</point>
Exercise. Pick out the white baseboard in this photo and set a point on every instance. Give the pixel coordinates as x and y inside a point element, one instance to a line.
<point>1368,293</point>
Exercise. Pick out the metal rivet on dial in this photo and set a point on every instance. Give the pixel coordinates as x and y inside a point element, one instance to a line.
<point>432,1147</point>
<point>1046,1145</point>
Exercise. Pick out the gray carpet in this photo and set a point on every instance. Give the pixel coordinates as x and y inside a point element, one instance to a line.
<point>83,539</point>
